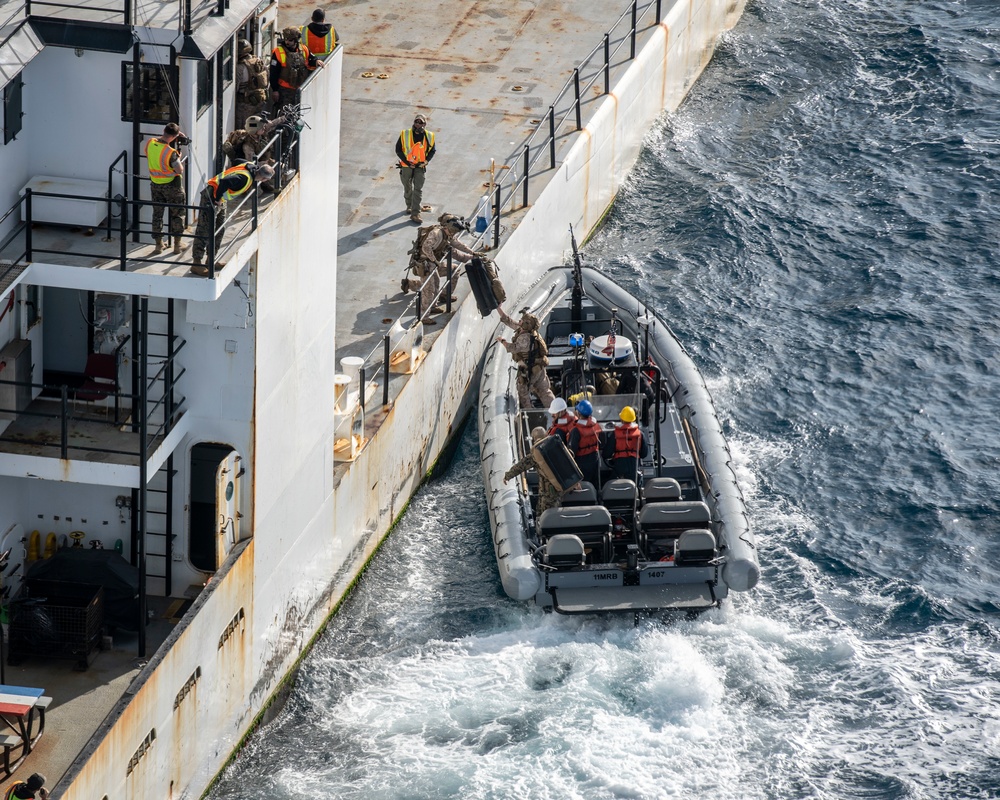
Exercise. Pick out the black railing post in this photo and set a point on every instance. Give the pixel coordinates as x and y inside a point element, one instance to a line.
<point>496,218</point>
<point>552,137</point>
<point>386,355</point>
<point>361,397</point>
<point>635,11</point>
<point>27,8</point>
<point>210,249</point>
<point>127,13</point>
<point>122,227</point>
<point>279,161</point>
<point>27,224</point>
<point>187,18</point>
<point>143,467</point>
<point>447,291</point>
<point>254,205</point>
<point>527,162</point>
<point>607,63</point>
<point>169,376</point>
<point>576,86</point>
<point>659,16</point>
<point>64,426</point>
<point>420,294</point>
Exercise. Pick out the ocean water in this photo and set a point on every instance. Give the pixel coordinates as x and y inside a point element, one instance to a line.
<point>819,224</point>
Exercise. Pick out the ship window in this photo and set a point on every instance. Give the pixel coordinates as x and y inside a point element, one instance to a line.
<point>157,93</point>
<point>228,66</point>
<point>12,112</point>
<point>204,85</point>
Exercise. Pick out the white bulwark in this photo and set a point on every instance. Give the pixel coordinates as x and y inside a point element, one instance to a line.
<point>191,473</point>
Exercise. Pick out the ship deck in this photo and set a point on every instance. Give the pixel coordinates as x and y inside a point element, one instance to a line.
<point>485,74</point>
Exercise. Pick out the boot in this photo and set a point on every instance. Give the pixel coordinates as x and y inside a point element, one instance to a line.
<point>179,246</point>
<point>157,246</point>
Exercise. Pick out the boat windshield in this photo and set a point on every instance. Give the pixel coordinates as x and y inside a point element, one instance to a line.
<point>607,407</point>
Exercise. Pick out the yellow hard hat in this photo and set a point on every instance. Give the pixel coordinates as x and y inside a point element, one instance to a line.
<point>627,415</point>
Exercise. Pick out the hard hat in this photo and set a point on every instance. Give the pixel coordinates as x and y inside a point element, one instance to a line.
<point>537,434</point>
<point>557,407</point>
<point>585,408</point>
<point>529,322</point>
<point>290,34</point>
<point>254,124</point>
<point>245,47</point>
<point>627,415</point>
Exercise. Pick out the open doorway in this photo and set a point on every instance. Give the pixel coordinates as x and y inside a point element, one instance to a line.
<point>214,516</point>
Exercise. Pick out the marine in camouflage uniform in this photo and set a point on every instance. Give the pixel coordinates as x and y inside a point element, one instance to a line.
<point>429,263</point>
<point>291,63</point>
<point>548,495</point>
<point>532,357</point>
<point>166,186</point>
<point>250,98</point>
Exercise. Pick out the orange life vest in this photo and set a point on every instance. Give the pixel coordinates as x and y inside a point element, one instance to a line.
<point>237,170</point>
<point>628,440</point>
<point>319,46</point>
<point>416,152</point>
<point>590,436</point>
<point>158,156</point>
<point>292,75</point>
<point>562,426</point>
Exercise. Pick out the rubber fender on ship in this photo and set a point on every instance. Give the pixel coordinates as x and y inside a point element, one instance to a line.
<point>34,545</point>
<point>50,546</point>
<point>554,460</point>
<point>482,286</point>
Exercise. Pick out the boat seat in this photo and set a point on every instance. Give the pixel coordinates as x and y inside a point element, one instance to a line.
<point>564,550</point>
<point>592,524</point>
<point>661,490</point>
<point>694,547</point>
<point>659,524</point>
<point>619,493</point>
<point>583,495</point>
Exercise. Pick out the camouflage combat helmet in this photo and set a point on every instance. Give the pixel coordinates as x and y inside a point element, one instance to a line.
<point>452,221</point>
<point>245,48</point>
<point>291,34</point>
<point>529,322</point>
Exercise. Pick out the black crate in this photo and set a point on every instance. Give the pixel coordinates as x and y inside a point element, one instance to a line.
<point>66,621</point>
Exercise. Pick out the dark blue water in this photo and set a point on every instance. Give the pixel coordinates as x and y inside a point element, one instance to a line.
<point>819,224</point>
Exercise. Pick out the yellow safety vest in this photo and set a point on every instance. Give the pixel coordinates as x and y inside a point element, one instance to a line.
<point>158,155</point>
<point>230,194</point>
<point>415,151</point>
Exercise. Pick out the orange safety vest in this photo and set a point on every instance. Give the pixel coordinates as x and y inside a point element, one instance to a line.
<point>238,170</point>
<point>12,789</point>
<point>281,54</point>
<point>317,45</point>
<point>562,426</point>
<point>158,156</point>
<point>590,438</point>
<point>415,151</point>
<point>628,439</point>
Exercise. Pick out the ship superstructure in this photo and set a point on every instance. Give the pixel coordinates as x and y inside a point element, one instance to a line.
<point>154,422</point>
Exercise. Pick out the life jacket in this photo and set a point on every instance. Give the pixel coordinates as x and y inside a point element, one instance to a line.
<point>590,436</point>
<point>319,46</point>
<point>628,438</point>
<point>563,425</point>
<point>415,151</point>
<point>294,66</point>
<point>238,170</point>
<point>158,155</point>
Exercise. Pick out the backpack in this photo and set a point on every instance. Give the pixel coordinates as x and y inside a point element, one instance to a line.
<point>254,91</point>
<point>233,146</point>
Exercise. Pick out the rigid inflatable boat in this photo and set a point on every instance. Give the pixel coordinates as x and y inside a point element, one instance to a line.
<point>675,534</point>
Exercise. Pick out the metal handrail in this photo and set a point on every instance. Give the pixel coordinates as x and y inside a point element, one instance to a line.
<point>636,18</point>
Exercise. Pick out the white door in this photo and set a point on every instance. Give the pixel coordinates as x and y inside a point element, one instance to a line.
<point>227,504</point>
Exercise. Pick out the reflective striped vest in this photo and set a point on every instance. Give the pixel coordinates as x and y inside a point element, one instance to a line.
<point>158,156</point>
<point>292,75</point>
<point>416,152</point>
<point>237,170</point>
<point>319,46</point>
